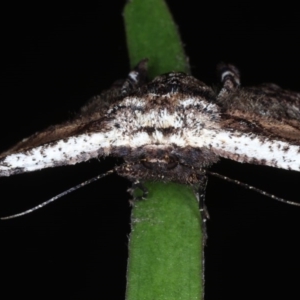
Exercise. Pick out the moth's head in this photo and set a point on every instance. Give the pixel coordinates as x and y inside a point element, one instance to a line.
<point>167,163</point>
<point>173,84</point>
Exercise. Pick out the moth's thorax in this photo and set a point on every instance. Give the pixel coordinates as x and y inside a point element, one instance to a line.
<point>153,112</point>
<point>172,109</point>
<point>161,127</point>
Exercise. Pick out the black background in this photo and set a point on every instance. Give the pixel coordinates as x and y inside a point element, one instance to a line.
<point>54,57</point>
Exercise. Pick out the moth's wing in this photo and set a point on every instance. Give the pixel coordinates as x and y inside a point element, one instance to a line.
<point>262,126</point>
<point>63,144</point>
<point>89,135</point>
<point>268,106</point>
<point>49,135</point>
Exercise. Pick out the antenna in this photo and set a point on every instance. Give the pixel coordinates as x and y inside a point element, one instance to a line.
<point>250,187</point>
<point>72,189</point>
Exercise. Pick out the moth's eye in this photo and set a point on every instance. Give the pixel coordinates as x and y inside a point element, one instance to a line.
<point>172,163</point>
<point>147,164</point>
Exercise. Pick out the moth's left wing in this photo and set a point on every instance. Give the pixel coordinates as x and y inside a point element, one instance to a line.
<point>64,144</point>
<point>88,136</point>
<point>260,125</point>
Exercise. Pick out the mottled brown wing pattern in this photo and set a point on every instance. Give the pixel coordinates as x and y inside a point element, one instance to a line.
<point>84,121</point>
<point>267,110</point>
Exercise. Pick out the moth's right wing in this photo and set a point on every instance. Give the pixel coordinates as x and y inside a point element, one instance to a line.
<point>260,125</point>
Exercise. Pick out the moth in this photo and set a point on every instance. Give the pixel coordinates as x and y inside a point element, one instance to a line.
<point>172,128</point>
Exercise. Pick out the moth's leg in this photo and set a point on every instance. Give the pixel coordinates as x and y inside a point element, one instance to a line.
<point>136,77</point>
<point>137,184</point>
<point>230,79</point>
<point>204,216</point>
<point>203,209</point>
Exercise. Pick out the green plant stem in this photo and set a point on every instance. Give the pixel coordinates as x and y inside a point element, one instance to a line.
<point>151,33</point>
<point>165,247</point>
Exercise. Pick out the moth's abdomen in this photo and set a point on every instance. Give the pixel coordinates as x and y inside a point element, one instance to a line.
<point>167,163</point>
